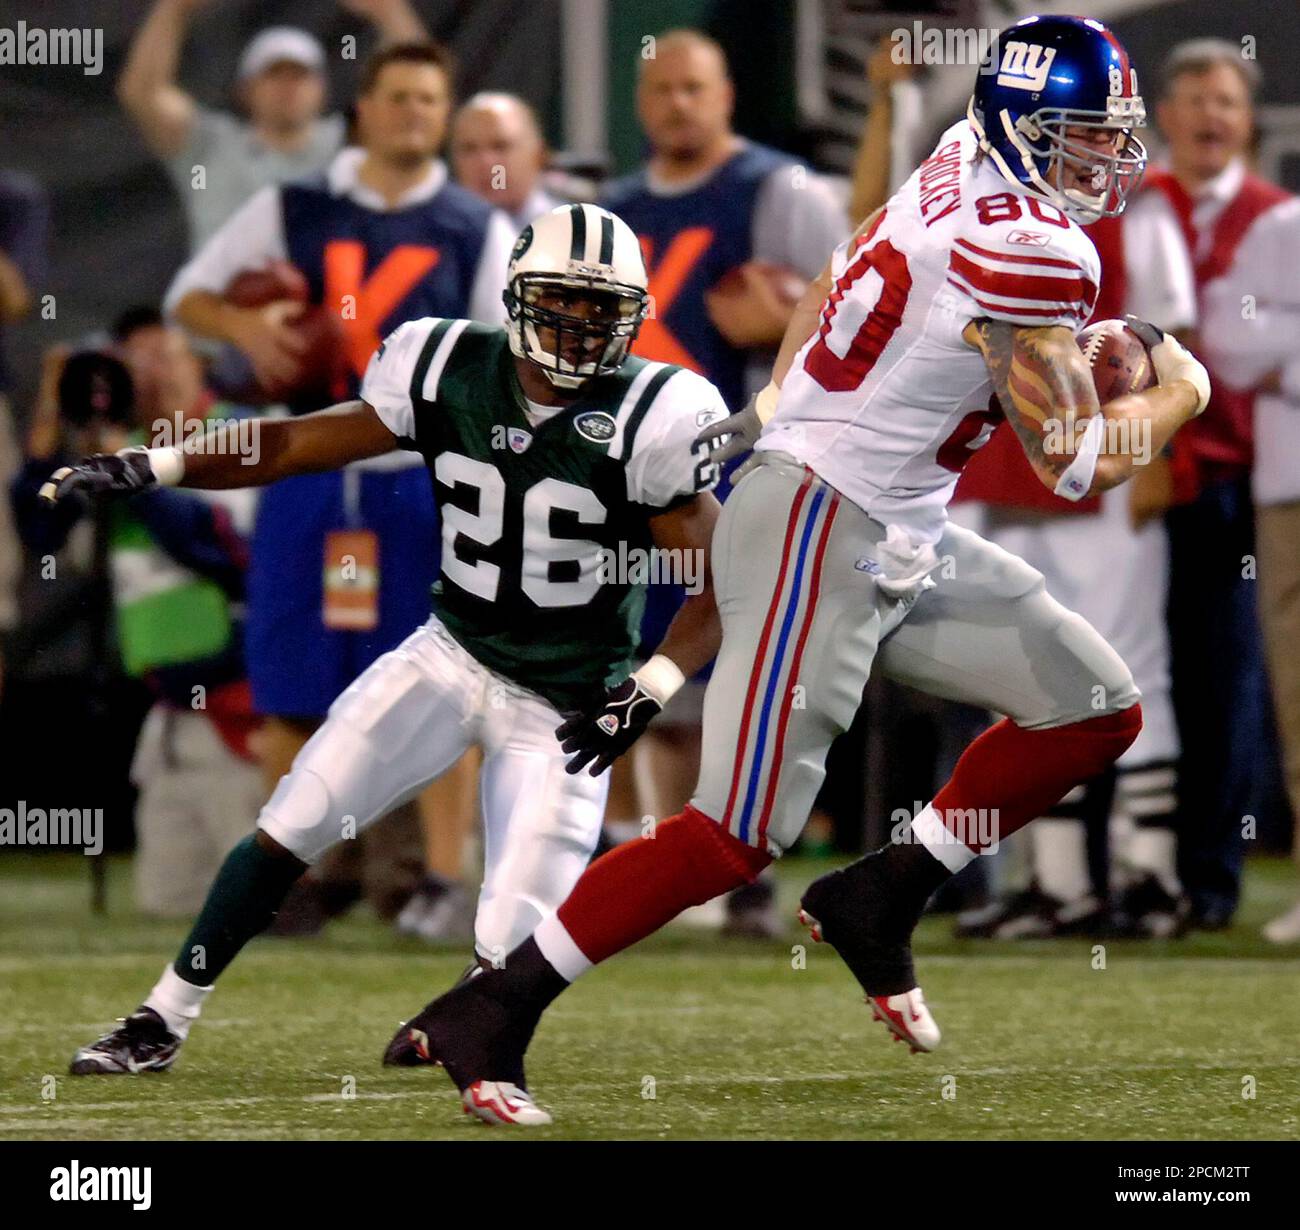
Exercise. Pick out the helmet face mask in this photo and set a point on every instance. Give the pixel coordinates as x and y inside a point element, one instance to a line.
<point>572,347</point>
<point>576,294</point>
<point>1044,80</point>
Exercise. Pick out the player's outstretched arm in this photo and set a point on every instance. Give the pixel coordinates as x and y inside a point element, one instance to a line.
<point>1046,391</point>
<point>600,735</point>
<point>246,453</point>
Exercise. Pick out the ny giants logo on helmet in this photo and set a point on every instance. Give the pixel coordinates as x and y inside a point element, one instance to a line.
<point>1025,65</point>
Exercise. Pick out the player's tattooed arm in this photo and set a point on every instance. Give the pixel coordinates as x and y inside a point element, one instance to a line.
<point>1044,386</point>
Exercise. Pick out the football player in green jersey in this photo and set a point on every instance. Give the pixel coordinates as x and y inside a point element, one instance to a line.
<point>567,474</point>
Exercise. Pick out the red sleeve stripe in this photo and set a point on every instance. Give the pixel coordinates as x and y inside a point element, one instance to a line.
<point>1015,258</point>
<point>1019,310</point>
<point>1030,286</point>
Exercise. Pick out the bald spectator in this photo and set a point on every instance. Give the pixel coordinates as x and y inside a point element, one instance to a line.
<point>499,154</point>
<point>218,160</point>
<point>732,232</point>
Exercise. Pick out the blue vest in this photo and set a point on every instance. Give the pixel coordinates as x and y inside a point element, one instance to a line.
<point>426,257</point>
<point>709,231</point>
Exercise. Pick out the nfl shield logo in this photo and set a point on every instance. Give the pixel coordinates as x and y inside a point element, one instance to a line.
<point>518,439</point>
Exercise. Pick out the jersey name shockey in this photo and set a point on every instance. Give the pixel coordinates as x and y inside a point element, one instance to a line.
<point>542,523</point>
<point>885,401</point>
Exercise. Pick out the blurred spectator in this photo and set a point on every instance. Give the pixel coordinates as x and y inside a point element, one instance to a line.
<point>24,225</point>
<point>498,153</point>
<point>1206,114</point>
<point>382,238</point>
<point>1252,323</point>
<point>732,232</point>
<point>176,562</point>
<point>281,90</point>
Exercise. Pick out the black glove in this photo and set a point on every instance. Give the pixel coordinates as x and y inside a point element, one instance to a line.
<point>603,734</point>
<point>124,472</point>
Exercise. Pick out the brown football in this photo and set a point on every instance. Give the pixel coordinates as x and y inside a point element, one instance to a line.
<point>785,283</point>
<point>1120,360</point>
<point>322,374</point>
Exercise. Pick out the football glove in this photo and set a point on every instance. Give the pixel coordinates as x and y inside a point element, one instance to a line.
<point>601,735</point>
<point>128,471</point>
<point>1172,360</point>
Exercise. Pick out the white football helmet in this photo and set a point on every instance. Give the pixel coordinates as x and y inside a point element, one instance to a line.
<point>575,248</point>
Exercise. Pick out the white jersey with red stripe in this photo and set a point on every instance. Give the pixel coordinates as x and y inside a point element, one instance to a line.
<point>885,401</point>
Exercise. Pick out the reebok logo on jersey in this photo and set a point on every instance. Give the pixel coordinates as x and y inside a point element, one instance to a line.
<point>864,564</point>
<point>1035,239</point>
<point>595,425</point>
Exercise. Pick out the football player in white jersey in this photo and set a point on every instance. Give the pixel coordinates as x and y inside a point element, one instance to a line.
<point>955,303</point>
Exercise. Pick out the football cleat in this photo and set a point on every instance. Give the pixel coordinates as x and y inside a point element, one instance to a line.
<point>1032,914</point>
<point>501,1102</point>
<point>907,1018</point>
<point>470,1035</point>
<point>1148,910</point>
<point>142,1043</point>
<point>905,1015</point>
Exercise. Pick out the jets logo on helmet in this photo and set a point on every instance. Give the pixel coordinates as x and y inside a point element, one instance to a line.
<point>575,293</point>
<point>1043,79</point>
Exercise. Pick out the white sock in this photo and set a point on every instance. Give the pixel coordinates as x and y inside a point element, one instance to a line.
<point>1061,858</point>
<point>929,831</point>
<point>178,1002</point>
<point>1155,850</point>
<point>558,948</point>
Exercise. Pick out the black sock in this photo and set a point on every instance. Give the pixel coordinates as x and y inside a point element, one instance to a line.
<point>526,984</point>
<point>242,901</point>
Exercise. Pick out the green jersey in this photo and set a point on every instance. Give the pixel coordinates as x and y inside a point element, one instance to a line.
<point>545,511</point>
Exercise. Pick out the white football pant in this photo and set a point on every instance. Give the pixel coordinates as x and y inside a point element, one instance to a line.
<point>402,723</point>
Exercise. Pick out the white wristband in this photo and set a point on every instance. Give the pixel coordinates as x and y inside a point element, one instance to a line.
<point>168,465</point>
<point>1075,483</point>
<point>661,677</point>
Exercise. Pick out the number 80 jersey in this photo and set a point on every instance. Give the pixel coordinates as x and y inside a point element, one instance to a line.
<point>545,527</point>
<point>885,401</point>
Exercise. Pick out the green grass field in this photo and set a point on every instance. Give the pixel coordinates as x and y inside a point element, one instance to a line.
<point>729,1037</point>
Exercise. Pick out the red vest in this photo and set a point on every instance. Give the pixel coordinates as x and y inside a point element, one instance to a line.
<point>1221,440</point>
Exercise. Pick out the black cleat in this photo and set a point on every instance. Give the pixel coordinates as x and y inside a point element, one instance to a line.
<point>869,910</point>
<point>474,1037</point>
<point>142,1043</point>
<point>470,1034</point>
<point>1032,914</point>
<point>1146,910</point>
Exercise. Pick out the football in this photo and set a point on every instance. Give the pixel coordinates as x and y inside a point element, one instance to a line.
<point>1120,360</point>
<point>785,283</point>
<point>324,358</point>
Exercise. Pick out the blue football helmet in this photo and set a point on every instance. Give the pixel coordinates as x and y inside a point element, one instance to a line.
<point>1045,75</point>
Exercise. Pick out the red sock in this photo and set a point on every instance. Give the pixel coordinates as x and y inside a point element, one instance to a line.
<point>1021,773</point>
<point>639,886</point>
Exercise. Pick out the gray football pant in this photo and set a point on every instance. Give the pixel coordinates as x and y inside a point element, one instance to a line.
<point>803,620</point>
